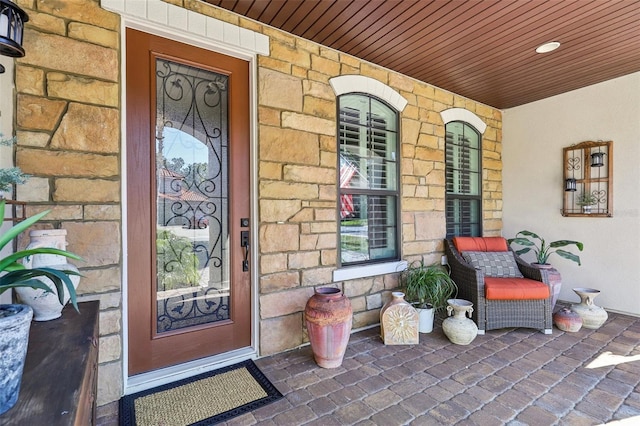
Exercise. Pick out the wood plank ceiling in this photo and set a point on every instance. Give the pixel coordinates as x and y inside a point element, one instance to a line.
<point>481,49</point>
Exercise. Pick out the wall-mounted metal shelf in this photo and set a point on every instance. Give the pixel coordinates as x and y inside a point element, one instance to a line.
<point>588,171</point>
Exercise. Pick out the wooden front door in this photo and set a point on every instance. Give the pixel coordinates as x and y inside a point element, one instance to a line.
<point>187,202</point>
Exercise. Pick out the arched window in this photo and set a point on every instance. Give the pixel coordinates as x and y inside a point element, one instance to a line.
<point>463,154</point>
<point>368,197</point>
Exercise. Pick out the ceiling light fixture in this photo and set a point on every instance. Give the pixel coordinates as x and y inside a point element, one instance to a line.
<point>548,47</point>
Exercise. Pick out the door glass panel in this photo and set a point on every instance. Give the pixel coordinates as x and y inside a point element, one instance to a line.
<point>192,232</point>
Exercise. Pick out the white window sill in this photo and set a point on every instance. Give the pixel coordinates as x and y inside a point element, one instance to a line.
<point>355,272</point>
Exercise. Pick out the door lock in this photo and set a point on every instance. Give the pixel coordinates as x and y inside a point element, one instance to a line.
<point>244,242</point>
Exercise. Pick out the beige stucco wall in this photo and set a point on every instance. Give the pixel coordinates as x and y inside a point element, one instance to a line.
<point>534,135</point>
<point>68,124</point>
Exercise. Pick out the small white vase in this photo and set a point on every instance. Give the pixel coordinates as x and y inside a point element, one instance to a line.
<point>46,305</point>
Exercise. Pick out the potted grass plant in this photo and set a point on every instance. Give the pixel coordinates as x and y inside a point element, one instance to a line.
<point>15,319</point>
<point>427,288</point>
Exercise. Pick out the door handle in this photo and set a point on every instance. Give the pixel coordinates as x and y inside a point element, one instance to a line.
<point>244,242</point>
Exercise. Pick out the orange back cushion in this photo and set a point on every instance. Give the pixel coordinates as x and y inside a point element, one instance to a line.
<point>480,244</point>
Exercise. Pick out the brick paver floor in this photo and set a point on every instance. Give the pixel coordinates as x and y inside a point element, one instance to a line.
<point>505,377</point>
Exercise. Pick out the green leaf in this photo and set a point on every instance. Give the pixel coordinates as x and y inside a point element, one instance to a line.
<point>40,250</point>
<point>568,255</point>
<point>523,251</point>
<point>37,284</point>
<point>521,241</point>
<point>18,228</point>
<point>529,234</point>
<point>562,243</point>
<point>27,278</point>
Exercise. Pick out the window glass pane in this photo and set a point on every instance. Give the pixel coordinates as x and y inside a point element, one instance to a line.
<point>192,202</point>
<point>463,217</point>
<point>367,228</point>
<point>382,116</point>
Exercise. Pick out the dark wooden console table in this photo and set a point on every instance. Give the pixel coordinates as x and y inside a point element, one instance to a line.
<point>59,383</point>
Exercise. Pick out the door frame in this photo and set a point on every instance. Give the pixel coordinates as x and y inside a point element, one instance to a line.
<point>139,382</point>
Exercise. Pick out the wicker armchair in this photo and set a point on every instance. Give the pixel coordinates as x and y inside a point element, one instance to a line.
<point>492,314</point>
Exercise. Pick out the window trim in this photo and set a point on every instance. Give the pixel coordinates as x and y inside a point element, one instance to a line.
<point>366,85</point>
<point>368,270</point>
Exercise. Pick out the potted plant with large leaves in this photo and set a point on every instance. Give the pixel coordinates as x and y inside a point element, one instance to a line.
<point>427,288</point>
<point>542,250</point>
<point>15,319</point>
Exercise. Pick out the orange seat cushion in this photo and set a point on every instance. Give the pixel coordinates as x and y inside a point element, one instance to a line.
<point>514,289</point>
<point>480,244</point>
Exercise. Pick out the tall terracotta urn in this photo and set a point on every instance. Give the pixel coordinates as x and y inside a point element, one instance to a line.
<point>328,315</point>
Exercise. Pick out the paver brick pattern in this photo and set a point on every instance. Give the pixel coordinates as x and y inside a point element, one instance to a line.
<point>508,377</point>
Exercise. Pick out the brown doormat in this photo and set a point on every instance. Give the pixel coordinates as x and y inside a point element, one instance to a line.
<point>206,399</point>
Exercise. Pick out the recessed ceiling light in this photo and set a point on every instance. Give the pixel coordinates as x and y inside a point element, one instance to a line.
<point>548,47</point>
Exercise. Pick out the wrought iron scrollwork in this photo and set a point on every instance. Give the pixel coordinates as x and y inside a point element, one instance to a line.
<point>193,308</point>
<point>191,162</point>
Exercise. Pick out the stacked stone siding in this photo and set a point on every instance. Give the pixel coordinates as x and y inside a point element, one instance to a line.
<point>68,125</point>
<point>68,130</point>
<point>298,180</point>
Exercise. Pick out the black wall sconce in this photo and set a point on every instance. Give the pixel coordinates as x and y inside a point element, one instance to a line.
<point>570,184</point>
<point>597,159</point>
<point>12,20</point>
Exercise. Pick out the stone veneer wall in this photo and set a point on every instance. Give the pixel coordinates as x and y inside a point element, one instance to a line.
<point>68,126</point>
<point>297,150</point>
<point>68,130</point>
